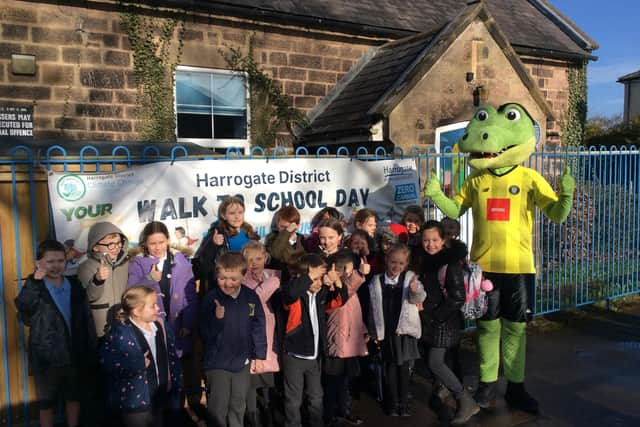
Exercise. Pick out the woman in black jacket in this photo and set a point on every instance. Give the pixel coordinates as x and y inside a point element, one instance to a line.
<point>442,320</point>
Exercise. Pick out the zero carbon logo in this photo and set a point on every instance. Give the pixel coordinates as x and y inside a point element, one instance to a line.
<point>405,192</point>
<point>71,187</point>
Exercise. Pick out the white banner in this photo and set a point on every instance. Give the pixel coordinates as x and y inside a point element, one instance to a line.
<point>187,194</point>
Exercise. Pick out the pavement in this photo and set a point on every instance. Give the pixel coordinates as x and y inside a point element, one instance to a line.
<point>583,367</point>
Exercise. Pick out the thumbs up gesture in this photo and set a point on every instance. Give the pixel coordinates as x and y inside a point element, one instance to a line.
<point>40,272</point>
<point>218,238</point>
<point>432,186</point>
<point>219,309</point>
<point>103,272</point>
<point>567,182</point>
<point>365,267</point>
<point>155,273</point>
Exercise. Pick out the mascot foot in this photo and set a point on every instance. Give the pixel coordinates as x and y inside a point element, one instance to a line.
<point>486,394</point>
<point>518,398</point>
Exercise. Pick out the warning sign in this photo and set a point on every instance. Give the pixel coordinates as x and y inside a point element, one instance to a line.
<point>16,121</point>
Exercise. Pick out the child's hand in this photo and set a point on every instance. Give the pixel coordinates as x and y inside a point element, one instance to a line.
<point>332,275</point>
<point>414,285</point>
<point>365,267</point>
<point>147,360</point>
<point>103,272</point>
<point>218,239</point>
<point>219,309</point>
<point>40,272</point>
<point>257,366</point>
<point>155,273</point>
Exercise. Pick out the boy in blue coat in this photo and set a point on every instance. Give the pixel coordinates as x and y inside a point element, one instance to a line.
<point>232,326</point>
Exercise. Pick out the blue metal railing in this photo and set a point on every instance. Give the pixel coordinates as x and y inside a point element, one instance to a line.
<point>594,255</point>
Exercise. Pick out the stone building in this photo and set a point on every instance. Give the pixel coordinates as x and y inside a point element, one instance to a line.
<point>72,63</point>
<point>631,84</point>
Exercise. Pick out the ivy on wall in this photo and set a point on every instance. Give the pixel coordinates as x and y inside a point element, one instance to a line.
<point>271,110</point>
<point>152,42</point>
<point>574,125</point>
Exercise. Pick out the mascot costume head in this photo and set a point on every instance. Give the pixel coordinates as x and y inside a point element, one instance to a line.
<point>503,195</point>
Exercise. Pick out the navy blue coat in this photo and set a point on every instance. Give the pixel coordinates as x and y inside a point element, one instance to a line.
<point>239,336</point>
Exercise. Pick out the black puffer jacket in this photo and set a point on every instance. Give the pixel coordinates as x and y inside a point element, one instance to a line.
<point>51,344</point>
<point>441,318</point>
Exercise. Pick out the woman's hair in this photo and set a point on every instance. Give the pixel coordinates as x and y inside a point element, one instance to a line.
<point>363,215</point>
<point>288,213</point>
<point>399,247</point>
<point>328,212</point>
<point>133,298</point>
<point>433,224</point>
<point>231,261</point>
<point>222,209</point>
<point>152,228</point>
<point>255,245</point>
<point>332,223</point>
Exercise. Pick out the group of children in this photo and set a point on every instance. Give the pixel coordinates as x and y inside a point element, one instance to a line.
<point>292,320</point>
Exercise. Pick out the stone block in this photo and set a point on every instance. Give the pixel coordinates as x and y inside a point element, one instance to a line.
<point>48,108</point>
<point>293,88</point>
<point>325,49</point>
<point>91,24</point>
<point>14,32</point>
<point>94,110</point>
<point>18,14</point>
<point>42,53</point>
<point>29,92</point>
<point>110,40</point>
<point>289,73</point>
<point>48,35</point>
<point>346,65</point>
<point>322,76</point>
<point>278,58</point>
<point>73,55</point>
<point>315,89</point>
<point>77,123</point>
<point>350,52</point>
<point>57,74</point>
<point>191,35</point>
<point>114,125</point>
<point>125,97</point>
<point>304,101</point>
<point>332,64</point>
<point>305,61</point>
<point>276,41</point>
<point>6,49</point>
<point>117,58</point>
<point>236,36</point>
<point>42,122</point>
<point>96,95</point>
<point>102,79</point>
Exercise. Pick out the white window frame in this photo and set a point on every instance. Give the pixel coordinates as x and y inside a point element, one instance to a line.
<point>220,142</point>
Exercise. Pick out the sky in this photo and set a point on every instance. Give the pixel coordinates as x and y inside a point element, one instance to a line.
<point>615,26</point>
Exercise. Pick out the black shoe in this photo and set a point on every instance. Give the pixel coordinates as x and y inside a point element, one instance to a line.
<point>518,398</point>
<point>438,397</point>
<point>485,395</point>
<point>404,411</point>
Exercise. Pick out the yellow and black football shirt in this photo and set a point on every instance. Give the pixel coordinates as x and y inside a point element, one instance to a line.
<point>503,208</point>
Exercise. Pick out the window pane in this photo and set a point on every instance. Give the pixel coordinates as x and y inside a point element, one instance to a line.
<point>234,127</point>
<point>193,88</point>
<point>194,126</point>
<point>229,91</point>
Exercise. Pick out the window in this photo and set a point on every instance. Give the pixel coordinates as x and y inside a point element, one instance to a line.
<point>211,107</point>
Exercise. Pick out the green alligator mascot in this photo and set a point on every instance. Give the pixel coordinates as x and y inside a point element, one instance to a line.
<point>502,195</point>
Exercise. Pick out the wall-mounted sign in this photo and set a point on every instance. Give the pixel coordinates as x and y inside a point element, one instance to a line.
<point>16,121</point>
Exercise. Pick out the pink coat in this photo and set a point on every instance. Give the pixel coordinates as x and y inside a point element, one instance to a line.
<point>265,289</point>
<point>346,332</point>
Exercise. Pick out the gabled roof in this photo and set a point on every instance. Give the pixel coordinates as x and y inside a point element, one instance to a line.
<point>629,77</point>
<point>532,25</point>
<point>383,77</point>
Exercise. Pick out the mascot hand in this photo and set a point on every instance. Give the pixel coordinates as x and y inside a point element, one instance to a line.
<point>567,182</point>
<point>432,186</point>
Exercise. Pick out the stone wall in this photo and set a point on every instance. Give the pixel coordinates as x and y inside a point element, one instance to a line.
<point>84,87</point>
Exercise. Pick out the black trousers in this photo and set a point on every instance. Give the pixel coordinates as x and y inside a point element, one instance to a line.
<point>302,381</point>
<point>397,383</point>
<point>511,296</point>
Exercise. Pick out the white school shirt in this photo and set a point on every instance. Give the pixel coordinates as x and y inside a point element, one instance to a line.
<point>150,337</point>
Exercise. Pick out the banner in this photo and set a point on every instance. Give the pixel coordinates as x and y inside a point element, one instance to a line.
<point>185,195</point>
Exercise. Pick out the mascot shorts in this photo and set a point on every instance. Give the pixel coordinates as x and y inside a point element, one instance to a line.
<point>510,297</point>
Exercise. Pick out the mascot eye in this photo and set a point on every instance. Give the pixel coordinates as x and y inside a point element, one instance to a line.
<point>513,114</point>
<point>482,115</point>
